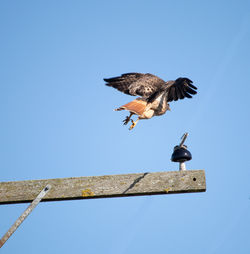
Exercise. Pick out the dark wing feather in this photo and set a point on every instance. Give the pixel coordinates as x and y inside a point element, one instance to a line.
<point>180,88</point>
<point>138,84</point>
<point>181,93</point>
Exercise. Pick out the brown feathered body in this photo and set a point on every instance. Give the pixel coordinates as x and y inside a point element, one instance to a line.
<point>145,109</point>
<point>154,93</point>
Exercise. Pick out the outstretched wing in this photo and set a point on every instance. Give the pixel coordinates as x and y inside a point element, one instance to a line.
<point>136,84</point>
<point>180,88</point>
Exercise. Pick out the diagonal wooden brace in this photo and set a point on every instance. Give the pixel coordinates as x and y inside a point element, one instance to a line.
<point>24,215</point>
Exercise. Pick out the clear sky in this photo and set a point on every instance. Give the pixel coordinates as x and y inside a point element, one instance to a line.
<point>57,120</point>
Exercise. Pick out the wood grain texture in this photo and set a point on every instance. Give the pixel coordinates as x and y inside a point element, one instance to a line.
<point>104,186</point>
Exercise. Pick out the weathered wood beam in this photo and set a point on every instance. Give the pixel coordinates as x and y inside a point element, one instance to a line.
<point>104,186</point>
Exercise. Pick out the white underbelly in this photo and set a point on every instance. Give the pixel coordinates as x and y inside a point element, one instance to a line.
<point>147,114</point>
<point>160,105</point>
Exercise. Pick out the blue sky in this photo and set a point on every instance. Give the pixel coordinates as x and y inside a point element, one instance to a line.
<point>57,120</point>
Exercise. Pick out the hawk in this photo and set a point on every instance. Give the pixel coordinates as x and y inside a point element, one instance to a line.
<point>154,94</point>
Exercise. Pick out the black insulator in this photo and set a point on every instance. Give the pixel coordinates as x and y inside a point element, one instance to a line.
<point>181,154</point>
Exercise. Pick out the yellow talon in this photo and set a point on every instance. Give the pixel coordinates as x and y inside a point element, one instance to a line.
<point>127,119</point>
<point>133,124</point>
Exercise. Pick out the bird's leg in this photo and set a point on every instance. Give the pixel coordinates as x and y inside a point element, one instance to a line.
<point>127,119</point>
<point>133,123</point>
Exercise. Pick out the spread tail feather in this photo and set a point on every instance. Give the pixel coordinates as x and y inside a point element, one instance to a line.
<point>136,106</point>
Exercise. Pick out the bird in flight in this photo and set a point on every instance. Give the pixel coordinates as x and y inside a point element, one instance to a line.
<point>154,94</point>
